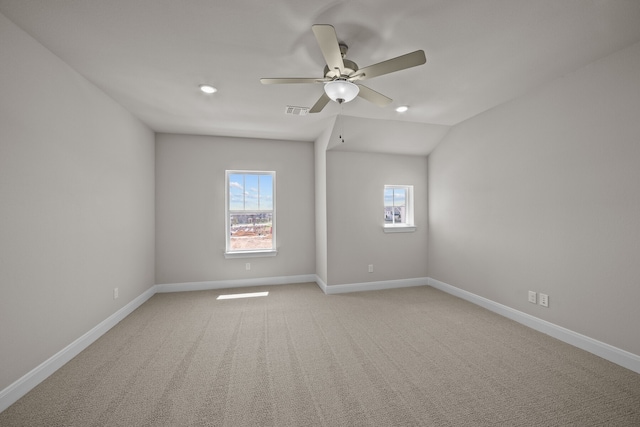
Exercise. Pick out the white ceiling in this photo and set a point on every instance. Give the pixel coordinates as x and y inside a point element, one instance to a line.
<point>151,55</point>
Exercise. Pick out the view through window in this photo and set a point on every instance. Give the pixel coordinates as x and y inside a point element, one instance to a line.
<point>398,205</point>
<point>395,209</point>
<point>250,211</point>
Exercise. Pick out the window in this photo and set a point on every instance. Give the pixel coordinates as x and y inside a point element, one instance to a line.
<point>251,213</point>
<point>398,208</point>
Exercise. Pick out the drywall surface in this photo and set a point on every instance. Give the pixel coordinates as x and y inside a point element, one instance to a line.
<point>385,136</point>
<point>320,162</point>
<point>77,205</point>
<point>190,207</point>
<point>355,218</point>
<point>543,194</point>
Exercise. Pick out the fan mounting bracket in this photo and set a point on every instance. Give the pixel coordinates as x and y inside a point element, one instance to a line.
<point>343,49</point>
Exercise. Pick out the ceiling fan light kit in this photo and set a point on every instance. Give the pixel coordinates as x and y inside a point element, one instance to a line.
<point>341,90</point>
<point>342,76</point>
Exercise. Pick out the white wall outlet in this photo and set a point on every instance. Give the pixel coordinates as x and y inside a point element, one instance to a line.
<point>544,300</point>
<point>247,266</point>
<point>532,297</point>
<point>370,268</point>
<point>115,293</point>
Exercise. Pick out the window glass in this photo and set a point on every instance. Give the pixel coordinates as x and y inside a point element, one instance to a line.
<point>250,211</point>
<point>398,205</point>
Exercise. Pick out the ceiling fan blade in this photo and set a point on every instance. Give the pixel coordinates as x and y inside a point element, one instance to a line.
<point>328,42</point>
<point>389,66</point>
<point>275,81</point>
<point>319,105</point>
<point>372,96</point>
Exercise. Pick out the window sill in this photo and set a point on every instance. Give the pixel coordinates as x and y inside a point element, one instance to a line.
<point>251,254</point>
<point>399,228</point>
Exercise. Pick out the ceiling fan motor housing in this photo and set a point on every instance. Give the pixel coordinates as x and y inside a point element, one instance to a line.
<point>350,67</point>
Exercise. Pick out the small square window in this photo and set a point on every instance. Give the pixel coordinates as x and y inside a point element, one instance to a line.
<point>398,207</point>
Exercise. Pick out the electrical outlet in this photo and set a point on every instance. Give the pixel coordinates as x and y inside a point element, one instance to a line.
<point>115,293</point>
<point>532,297</point>
<point>544,300</point>
<point>370,268</point>
<point>247,266</point>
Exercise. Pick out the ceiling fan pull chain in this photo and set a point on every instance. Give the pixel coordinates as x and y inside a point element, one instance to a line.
<point>341,124</point>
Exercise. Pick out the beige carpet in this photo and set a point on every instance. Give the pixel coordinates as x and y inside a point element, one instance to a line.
<point>404,357</point>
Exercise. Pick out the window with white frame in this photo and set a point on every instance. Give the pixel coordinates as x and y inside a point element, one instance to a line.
<point>250,213</point>
<point>398,207</point>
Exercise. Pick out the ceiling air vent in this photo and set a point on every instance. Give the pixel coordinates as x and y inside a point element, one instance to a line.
<point>296,111</point>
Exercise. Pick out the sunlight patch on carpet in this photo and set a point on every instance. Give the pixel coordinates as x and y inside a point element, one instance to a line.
<point>246,295</point>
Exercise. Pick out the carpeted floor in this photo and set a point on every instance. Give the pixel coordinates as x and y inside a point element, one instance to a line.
<point>297,357</point>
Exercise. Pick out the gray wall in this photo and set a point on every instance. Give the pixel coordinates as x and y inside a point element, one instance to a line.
<point>543,194</point>
<point>320,169</point>
<point>190,188</point>
<point>355,216</point>
<point>76,205</point>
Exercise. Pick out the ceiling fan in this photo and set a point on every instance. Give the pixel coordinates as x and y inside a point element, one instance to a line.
<point>341,76</point>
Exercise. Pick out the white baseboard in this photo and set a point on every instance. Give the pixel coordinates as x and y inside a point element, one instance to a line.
<point>321,283</point>
<point>22,386</point>
<point>613,354</point>
<point>236,283</point>
<point>371,286</point>
<point>19,388</point>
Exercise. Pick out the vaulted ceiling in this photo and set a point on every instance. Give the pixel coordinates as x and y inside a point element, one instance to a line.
<point>151,55</point>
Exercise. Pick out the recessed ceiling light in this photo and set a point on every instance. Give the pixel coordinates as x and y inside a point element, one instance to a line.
<point>208,89</point>
<point>402,109</point>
